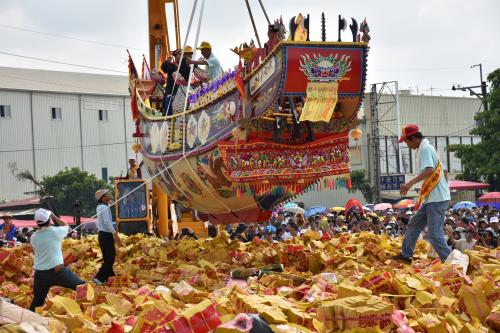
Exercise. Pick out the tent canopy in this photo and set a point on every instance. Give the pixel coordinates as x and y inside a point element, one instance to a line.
<point>32,223</point>
<point>462,185</point>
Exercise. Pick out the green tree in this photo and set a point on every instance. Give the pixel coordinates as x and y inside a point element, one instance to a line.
<point>482,160</point>
<point>66,187</point>
<point>359,182</point>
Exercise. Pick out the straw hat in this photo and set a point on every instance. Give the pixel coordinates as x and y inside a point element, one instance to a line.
<point>100,193</point>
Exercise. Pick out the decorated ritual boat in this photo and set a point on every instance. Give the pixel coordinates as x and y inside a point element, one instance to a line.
<point>259,135</point>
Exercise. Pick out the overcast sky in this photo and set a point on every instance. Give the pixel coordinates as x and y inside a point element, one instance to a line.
<point>425,43</point>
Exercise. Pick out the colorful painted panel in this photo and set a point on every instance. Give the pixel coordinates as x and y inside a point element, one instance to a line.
<point>268,161</point>
<point>164,138</point>
<point>212,123</point>
<point>306,64</point>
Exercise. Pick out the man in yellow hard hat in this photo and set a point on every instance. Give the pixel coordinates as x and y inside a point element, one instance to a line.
<point>214,68</point>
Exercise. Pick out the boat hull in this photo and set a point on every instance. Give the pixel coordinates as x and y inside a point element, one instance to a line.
<point>201,161</point>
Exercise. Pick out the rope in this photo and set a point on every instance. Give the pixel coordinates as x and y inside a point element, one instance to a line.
<point>253,23</point>
<point>182,52</point>
<point>189,80</point>
<point>264,10</point>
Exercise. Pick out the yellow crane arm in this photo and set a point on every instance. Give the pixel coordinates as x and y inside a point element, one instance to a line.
<point>159,40</point>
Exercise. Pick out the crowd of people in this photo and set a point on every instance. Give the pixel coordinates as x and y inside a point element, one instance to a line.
<point>9,233</point>
<point>464,229</point>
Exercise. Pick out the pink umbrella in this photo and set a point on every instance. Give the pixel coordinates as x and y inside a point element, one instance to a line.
<point>382,206</point>
<point>493,197</point>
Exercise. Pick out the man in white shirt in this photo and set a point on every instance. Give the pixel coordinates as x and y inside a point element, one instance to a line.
<point>466,243</point>
<point>49,263</point>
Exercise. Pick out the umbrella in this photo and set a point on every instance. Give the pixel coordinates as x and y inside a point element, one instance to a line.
<point>290,205</point>
<point>382,206</point>
<point>366,208</point>
<point>464,204</point>
<point>314,210</point>
<point>336,209</point>
<point>370,206</point>
<point>295,210</point>
<point>493,197</point>
<point>405,203</point>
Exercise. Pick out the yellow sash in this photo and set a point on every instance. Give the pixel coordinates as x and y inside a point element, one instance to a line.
<point>429,184</point>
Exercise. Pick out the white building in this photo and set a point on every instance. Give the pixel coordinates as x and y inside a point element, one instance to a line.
<point>51,120</point>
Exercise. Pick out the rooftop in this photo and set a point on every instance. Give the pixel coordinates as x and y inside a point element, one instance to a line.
<point>62,82</point>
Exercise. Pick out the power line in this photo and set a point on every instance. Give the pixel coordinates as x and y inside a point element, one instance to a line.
<point>62,63</point>
<point>67,147</point>
<point>419,69</point>
<point>68,37</point>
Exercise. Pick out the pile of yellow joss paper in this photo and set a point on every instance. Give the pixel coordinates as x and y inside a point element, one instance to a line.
<point>346,284</point>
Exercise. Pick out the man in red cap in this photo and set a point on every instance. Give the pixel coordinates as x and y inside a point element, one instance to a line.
<point>433,200</point>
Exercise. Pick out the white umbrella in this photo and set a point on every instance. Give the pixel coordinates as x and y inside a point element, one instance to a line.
<point>290,205</point>
<point>295,210</point>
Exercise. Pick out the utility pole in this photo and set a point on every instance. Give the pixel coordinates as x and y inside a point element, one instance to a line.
<point>375,140</point>
<point>483,85</point>
<point>483,94</point>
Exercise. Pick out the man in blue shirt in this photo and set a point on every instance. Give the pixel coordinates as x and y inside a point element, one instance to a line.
<point>435,201</point>
<point>8,228</point>
<point>107,237</point>
<point>49,263</point>
<point>214,68</point>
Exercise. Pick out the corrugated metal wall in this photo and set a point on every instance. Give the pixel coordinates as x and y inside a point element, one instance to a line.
<point>57,141</point>
<point>104,142</point>
<point>435,115</point>
<point>78,139</point>
<point>15,143</point>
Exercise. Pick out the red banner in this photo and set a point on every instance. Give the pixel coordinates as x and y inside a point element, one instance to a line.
<point>350,83</point>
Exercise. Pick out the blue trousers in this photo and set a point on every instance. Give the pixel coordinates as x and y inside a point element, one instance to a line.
<point>431,215</point>
<point>49,278</point>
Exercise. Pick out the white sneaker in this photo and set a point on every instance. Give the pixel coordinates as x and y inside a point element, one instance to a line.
<point>97,282</point>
